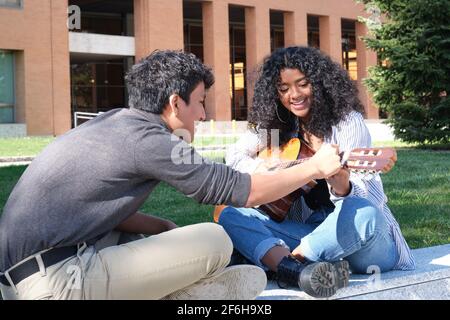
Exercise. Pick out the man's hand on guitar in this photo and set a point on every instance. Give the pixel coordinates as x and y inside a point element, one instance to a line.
<point>392,160</point>
<point>326,161</point>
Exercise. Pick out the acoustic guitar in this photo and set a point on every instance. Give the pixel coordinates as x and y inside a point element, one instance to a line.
<point>295,151</point>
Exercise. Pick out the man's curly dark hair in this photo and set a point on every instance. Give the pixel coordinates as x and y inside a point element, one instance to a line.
<point>155,78</point>
<point>334,95</point>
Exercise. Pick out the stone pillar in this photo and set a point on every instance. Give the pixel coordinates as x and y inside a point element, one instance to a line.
<point>295,29</point>
<point>158,25</point>
<point>331,37</point>
<point>365,59</point>
<point>216,44</point>
<point>257,43</point>
<point>60,60</point>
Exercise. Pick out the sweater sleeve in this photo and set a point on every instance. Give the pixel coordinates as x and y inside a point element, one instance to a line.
<point>162,156</point>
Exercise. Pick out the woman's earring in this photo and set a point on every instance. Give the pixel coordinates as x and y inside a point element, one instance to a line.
<point>278,116</point>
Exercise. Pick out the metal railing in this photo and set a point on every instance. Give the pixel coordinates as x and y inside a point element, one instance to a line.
<point>84,116</point>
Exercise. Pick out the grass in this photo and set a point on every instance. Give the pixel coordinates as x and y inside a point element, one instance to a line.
<point>400,144</point>
<point>418,188</point>
<point>202,141</point>
<point>29,146</point>
<point>165,201</point>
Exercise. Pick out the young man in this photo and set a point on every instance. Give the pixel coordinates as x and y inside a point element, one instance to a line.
<point>69,228</point>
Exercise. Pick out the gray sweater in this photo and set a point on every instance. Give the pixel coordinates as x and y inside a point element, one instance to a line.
<point>94,177</point>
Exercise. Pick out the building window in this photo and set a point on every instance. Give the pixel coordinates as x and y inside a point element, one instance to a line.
<point>104,23</point>
<point>11,3</point>
<point>238,88</point>
<point>349,53</point>
<point>6,87</point>
<point>276,30</point>
<point>114,18</point>
<point>193,28</point>
<point>99,86</point>
<point>313,32</point>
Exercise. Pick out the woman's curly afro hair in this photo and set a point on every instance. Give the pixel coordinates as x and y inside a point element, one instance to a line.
<point>334,94</point>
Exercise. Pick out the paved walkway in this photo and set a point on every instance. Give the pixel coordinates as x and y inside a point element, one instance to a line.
<point>15,161</point>
<point>430,281</point>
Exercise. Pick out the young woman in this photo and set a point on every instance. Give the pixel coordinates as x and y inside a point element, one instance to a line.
<point>301,92</point>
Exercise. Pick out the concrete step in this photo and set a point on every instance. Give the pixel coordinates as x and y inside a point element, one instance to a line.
<point>430,281</point>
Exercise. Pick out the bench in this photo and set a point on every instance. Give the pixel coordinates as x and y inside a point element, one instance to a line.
<point>430,281</point>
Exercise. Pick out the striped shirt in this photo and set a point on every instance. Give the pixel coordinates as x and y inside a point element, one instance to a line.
<point>349,134</point>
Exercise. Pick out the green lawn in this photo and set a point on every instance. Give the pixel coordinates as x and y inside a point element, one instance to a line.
<point>164,201</point>
<point>203,141</point>
<point>29,146</point>
<point>418,189</point>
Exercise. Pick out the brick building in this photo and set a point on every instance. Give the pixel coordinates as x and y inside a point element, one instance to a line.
<point>48,72</point>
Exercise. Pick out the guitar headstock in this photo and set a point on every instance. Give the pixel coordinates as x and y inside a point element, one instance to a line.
<point>371,160</point>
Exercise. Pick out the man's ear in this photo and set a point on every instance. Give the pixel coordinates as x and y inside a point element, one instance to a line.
<point>173,103</point>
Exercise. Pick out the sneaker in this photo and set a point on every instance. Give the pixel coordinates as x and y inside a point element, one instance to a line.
<point>318,279</point>
<point>242,282</point>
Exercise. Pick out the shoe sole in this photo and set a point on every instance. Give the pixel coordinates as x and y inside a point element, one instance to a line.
<point>319,280</point>
<point>241,282</point>
<point>343,273</point>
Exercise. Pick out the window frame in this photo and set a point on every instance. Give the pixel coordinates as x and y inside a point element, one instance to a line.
<point>13,105</point>
<point>12,6</point>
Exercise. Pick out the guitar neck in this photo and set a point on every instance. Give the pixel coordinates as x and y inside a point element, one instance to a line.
<point>288,164</point>
<point>365,160</point>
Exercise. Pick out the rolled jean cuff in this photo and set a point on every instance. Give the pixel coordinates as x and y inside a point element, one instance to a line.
<point>306,251</point>
<point>264,247</point>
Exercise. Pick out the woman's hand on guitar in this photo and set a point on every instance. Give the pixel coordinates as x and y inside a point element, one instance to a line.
<point>340,182</point>
<point>326,161</point>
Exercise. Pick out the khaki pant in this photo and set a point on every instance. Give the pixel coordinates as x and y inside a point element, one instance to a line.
<point>148,268</point>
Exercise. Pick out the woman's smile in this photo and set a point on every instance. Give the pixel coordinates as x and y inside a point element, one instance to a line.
<point>300,104</point>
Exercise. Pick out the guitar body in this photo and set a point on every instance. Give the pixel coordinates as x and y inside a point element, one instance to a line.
<point>293,150</point>
<point>287,152</point>
<point>290,151</point>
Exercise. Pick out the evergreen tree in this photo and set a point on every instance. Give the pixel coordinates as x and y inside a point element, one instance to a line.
<point>412,80</point>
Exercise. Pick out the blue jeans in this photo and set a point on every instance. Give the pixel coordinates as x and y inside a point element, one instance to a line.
<point>354,230</point>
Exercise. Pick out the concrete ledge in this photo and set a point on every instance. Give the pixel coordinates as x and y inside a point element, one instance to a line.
<point>13,130</point>
<point>15,161</point>
<point>430,281</point>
